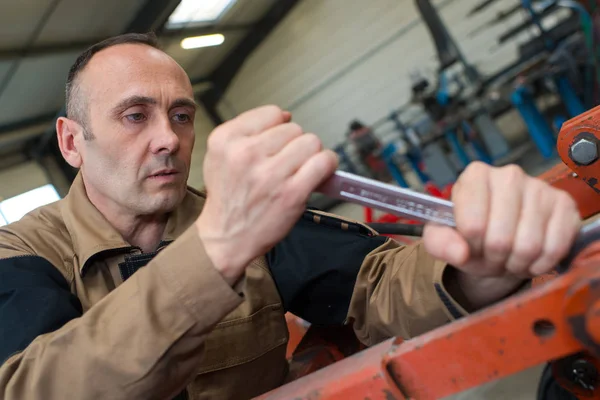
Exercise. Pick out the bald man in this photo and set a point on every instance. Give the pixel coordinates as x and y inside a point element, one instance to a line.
<point>136,286</point>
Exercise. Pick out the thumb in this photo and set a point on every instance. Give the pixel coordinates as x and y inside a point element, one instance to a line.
<point>446,244</point>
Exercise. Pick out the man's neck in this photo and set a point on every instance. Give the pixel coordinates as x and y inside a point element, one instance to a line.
<point>143,231</point>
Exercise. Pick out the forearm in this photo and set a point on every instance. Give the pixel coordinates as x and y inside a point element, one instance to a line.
<point>141,341</point>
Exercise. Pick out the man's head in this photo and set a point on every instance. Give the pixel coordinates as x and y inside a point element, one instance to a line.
<point>129,125</point>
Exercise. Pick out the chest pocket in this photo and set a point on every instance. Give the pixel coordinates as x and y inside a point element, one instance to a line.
<point>253,329</point>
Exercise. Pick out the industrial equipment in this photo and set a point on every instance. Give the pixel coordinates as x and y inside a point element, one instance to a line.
<point>556,321</point>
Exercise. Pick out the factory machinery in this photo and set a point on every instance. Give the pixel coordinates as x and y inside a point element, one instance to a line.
<point>556,321</point>
<point>451,122</point>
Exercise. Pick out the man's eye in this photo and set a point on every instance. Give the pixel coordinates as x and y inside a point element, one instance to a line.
<point>181,118</point>
<point>136,117</point>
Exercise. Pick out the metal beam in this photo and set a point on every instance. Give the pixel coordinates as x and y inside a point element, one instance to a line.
<point>26,123</point>
<point>224,73</point>
<point>78,46</point>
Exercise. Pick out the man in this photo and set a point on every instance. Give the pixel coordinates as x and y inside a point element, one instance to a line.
<point>137,287</point>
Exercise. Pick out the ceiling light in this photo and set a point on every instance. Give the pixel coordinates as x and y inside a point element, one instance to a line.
<point>194,11</point>
<point>202,41</point>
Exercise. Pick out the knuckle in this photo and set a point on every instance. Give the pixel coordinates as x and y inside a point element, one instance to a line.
<point>294,128</point>
<point>499,246</point>
<point>312,140</point>
<point>475,168</point>
<point>272,109</point>
<point>512,174</point>
<point>214,140</point>
<point>528,252</point>
<point>242,155</point>
<point>564,200</point>
<point>471,229</point>
<point>555,253</point>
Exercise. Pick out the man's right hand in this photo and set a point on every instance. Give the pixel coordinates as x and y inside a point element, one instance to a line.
<point>259,171</point>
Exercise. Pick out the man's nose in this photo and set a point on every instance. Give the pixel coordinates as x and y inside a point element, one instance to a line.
<point>165,139</point>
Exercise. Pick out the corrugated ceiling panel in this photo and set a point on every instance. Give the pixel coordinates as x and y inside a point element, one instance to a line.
<point>36,89</point>
<point>77,20</point>
<point>18,20</point>
<point>245,11</point>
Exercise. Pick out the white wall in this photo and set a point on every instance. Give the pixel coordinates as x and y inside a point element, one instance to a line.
<point>203,126</point>
<point>331,61</point>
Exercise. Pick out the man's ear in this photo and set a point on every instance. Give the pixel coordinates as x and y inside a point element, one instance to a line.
<point>67,131</point>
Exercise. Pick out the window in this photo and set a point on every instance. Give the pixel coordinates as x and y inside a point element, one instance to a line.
<point>194,12</point>
<point>15,208</point>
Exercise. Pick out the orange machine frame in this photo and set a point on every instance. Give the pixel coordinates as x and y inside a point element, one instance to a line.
<point>557,321</point>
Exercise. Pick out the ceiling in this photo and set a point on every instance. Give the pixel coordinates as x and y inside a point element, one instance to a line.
<point>40,39</point>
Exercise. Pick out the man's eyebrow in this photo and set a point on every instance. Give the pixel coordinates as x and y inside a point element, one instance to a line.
<point>132,101</point>
<point>184,102</point>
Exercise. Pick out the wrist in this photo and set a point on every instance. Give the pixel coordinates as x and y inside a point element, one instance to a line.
<point>224,260</point>
<point>474,292</point>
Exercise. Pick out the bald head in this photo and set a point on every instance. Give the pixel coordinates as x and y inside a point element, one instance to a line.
<point>75,96</point>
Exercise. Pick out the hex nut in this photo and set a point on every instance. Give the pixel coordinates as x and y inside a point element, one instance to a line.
<point>584,152</point>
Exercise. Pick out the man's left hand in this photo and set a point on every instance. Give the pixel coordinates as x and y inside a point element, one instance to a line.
<point>510,227</point>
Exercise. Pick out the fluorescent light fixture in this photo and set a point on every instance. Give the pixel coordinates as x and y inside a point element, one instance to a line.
<point>202,41</point>
<point>197,11</point>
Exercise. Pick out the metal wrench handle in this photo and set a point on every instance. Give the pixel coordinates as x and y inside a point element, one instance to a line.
<point>395,200</point>
<point>418,206</point>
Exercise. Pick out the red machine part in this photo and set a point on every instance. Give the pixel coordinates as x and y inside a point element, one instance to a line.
<point>557,320</point>
<point>547,322</point>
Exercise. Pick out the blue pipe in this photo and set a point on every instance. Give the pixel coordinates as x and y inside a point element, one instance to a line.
<point>414,163</point>
<point>539,130</point>
<point>388,157</point>
<point>482,154</point>
<point>457,148</point>
<point>570,99</point>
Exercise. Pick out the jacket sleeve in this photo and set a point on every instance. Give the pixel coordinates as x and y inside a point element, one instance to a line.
<point>330,270</point>
<point>142,341</point>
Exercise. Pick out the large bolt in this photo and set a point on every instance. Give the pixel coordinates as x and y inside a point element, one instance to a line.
<point>584,151</point>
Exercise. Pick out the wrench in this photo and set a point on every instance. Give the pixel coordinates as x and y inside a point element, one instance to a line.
<point>422,207</point>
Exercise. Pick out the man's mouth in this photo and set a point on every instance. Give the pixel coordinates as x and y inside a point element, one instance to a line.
<point>164,173</point>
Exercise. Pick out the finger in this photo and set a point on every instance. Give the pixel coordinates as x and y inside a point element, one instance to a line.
<point>313,173</point>
<point>563,226</point>
<point>255,121</point>
<point>446,244</point>
<point>506,192</point>
<point>274,139</point>
<point>471,206</point>
<point>528,244</point>
<point>291,157</point>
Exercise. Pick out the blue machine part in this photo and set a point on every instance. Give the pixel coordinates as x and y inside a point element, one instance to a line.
<point>414,161</point>
<point>539,129</point>
<point>481,153</point>
<point>462,155</point>
<point>558,122</point>
<point>569,97</point>
<point>443,95</point>
<point>414,153</point>
<point>388,155</point>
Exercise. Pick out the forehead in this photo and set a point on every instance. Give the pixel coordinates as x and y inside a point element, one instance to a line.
<point>133,69</point>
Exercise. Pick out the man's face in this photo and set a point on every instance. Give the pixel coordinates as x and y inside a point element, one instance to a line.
<point>140,110</point>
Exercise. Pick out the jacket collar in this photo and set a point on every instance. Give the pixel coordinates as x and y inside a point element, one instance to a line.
<point>92,234</point>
